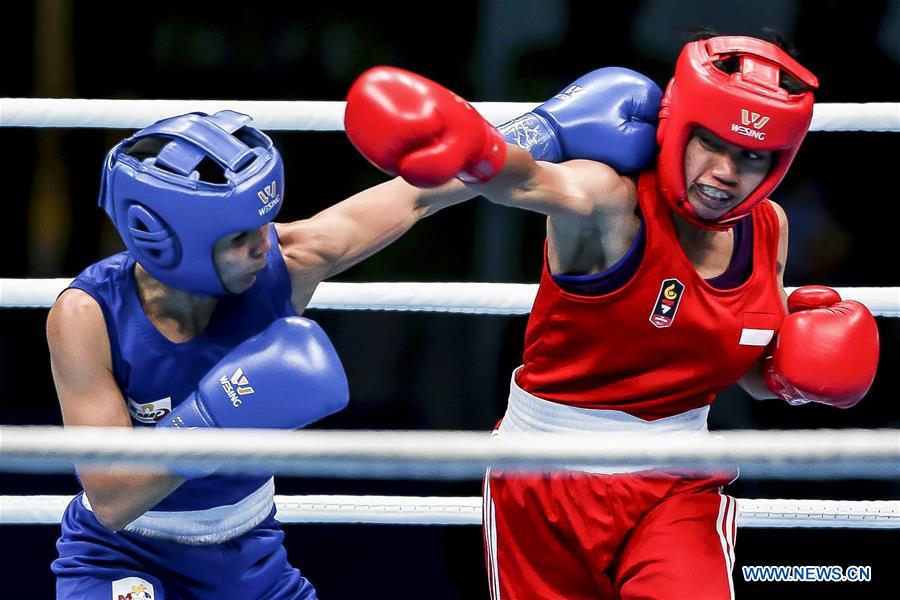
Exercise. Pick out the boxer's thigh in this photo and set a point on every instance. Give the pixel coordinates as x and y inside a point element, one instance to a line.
<point>683,548</point>
<point>536,539</point>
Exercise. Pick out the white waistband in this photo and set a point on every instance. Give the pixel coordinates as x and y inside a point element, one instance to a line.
<point>527,413</point>
<point>209,526</point>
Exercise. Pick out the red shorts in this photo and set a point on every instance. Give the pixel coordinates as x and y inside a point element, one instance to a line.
<point>578,536</point>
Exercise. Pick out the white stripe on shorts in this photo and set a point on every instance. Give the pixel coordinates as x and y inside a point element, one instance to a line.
<point>489,517</point>
<point>725,531</point>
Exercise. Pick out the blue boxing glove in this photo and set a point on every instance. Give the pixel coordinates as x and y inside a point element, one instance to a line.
<point>285,377</point>
<point>608,115</point>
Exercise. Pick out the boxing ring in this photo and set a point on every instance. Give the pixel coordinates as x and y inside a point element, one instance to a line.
<point>423,455</point>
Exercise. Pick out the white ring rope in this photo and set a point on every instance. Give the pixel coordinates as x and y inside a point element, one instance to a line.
<point>329,115</point>
<point>431,510</point>
<point>466,298</point>
<point>426,454</point>
<point>798,454</point>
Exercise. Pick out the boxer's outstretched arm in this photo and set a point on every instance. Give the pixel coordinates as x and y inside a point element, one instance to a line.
<point>342,235</point>
<point>573,194</point>
<point>408,125</point>
<point>81,363</point>
<point>580,191</point>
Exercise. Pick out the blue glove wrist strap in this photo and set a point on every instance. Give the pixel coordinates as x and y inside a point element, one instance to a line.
<point>190,414</point>
<point>534,133</point>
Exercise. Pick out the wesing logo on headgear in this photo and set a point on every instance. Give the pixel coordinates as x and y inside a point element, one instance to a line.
<point>236,386</point>
<point>751,118</point>
<point>269,197</point>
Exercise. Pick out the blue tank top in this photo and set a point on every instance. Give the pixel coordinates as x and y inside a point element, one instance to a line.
<point>156,374</point>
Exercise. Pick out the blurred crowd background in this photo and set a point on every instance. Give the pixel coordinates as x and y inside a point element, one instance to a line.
<point>429,371</point>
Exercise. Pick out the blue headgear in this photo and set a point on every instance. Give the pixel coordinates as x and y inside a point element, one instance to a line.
<point>173,189</point>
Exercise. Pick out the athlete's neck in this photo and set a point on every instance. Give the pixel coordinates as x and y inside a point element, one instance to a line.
<point>692,236</point>
<point>175,312</point>
<point>709,250</point>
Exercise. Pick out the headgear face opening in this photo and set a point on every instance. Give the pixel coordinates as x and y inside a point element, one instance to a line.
<point>173,189</point>
<point>748,108</point>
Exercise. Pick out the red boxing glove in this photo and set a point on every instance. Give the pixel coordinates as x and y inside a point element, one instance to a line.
<point>826,351</point>
<point>408,125</point>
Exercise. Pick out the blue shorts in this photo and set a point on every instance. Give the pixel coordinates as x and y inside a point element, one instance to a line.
<point>95,563</point>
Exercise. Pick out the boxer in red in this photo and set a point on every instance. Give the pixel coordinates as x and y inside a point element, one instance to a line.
<point>659,290</point>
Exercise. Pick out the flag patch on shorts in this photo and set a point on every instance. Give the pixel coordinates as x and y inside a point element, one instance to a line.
<point>132,588</point>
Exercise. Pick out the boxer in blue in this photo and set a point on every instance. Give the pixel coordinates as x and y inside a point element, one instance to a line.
<point>194,320</point>
<point>203,294</point>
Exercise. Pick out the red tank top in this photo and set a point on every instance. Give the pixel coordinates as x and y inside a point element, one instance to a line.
<point>665,342</point>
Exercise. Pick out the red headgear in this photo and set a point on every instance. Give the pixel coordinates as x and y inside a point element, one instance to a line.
<point>747,108</point>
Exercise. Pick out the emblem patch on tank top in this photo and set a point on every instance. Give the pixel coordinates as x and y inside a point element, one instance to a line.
<point>670,293</point>
<point>149,412</point>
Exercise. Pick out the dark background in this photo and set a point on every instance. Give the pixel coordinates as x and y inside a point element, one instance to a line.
<point>428,371</point>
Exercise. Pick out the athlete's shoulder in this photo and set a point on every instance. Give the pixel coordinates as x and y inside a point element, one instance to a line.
<point>771,216</point>
<point>779,212</point>
<point>75,317</point>
<point>781,235</point>
<point>611,191</point>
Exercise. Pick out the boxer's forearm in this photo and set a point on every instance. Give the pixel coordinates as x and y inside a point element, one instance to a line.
<point>118,497</point>
<point>753,382</point>
<point>352,230</point>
